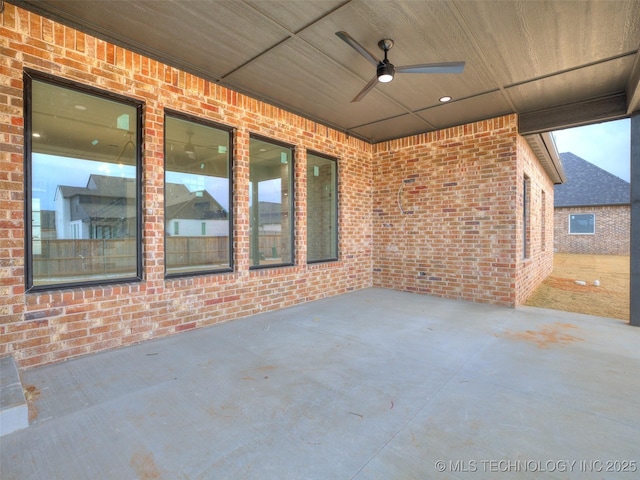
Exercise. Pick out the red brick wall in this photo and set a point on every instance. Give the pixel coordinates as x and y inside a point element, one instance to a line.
<point>38,328</point>
<point>538,264</point>
<point>447,215</point>
<point>460,225</point>
<point>612,236</point>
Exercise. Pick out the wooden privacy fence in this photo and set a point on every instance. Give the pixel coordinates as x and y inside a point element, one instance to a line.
<point>186,251</point>
<point>61,258</point>
<point>64,258</point>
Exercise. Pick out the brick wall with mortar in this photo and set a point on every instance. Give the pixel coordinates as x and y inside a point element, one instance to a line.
<point>459,226</point>
<point>612,235</point>
<point>446,215</point>
<point>39,328</point>
<point>534,266</point>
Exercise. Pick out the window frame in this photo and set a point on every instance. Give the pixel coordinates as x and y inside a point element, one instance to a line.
<point>336,222</point>
<point>30,76</point>
<point>581,233</point>
<point>230,131</point>
<point>526,218</point>
<point>292,212</point>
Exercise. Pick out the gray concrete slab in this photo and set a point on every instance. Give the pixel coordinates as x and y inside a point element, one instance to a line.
<point>13,405</point>
<point>374,384</point>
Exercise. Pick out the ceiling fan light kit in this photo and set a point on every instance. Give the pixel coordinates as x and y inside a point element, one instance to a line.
<point>385,70</point>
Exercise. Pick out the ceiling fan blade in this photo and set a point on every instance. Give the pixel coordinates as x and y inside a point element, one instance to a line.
<point>372,83</point>
<point>359,48</point>
<point>447,67</point>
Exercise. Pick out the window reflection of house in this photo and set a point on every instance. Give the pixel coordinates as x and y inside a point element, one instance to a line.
<point>194,213</point>
<point>270,217</point>
<point>106,209</point>
<point>48,224</point>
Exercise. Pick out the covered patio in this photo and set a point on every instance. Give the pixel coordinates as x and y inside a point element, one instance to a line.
<point>373,384</point>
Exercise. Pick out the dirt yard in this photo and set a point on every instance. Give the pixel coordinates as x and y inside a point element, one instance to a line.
<point>560,291</point>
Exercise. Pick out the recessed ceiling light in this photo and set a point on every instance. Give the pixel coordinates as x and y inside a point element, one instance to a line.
<point>35,135</point>
<point>445,99</point>
<point>80,107</point>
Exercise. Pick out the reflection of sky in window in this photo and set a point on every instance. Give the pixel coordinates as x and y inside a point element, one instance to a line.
<point>268,191</point>
<point>50,171</point>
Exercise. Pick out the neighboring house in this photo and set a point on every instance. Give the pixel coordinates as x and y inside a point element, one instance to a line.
<point>194,213</point>
<point>106,209</point>
<point>592,210</point>
<point>48,224</point>
<point>270,218</point>
<point>44,226</point>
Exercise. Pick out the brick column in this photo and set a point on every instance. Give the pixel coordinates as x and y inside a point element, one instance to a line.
<point>634,297</point>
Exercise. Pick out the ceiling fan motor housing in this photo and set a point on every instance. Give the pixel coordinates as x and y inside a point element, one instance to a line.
<point>385,71</point>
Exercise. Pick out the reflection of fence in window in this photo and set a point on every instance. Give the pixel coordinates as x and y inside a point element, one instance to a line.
<point>201,252</point>
<point>197,251</point>
<point>67,258</point>
<point>270,246</point>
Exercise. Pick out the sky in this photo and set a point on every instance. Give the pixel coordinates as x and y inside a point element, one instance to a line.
<point>606,145</point>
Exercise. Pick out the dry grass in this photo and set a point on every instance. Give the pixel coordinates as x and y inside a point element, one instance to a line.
<point>560,291</point>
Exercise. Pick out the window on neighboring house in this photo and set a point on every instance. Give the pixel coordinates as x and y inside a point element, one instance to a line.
<point>197,196</point>
<point>322,209</point>
<point>82,185</point>
<point>270,203</point>
<point>582,224</point>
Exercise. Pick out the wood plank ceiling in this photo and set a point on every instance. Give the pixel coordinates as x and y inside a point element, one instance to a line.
<point>555,63</point>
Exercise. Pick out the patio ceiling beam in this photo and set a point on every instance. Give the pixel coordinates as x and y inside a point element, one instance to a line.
<point>633,88</point>
<point>611,107</point>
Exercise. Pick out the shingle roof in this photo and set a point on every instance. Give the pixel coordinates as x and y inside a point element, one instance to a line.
<point>184,204</point>
<point>108,186</point>
<point>269,213</point>
<point>588,184</point>
<point>103,186</point>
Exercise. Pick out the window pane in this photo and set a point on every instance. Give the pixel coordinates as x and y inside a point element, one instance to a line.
<point>526,217</point>
<point>270,202</point>
<point>197,186</point>
<point>322,234</point>
<point>84,187</point>
<point>582,223</point>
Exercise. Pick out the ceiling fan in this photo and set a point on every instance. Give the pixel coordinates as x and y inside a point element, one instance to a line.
<point>385,70</point>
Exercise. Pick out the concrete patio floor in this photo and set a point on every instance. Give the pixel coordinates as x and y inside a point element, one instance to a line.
<point>374,384</point>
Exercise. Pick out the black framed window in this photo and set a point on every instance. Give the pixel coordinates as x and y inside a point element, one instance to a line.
<point>322,208</point>
<point>526,217</point>
<point>582,224</point>
<point>270,202</point>
<point>198,232</point>
<point>83,184</point>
